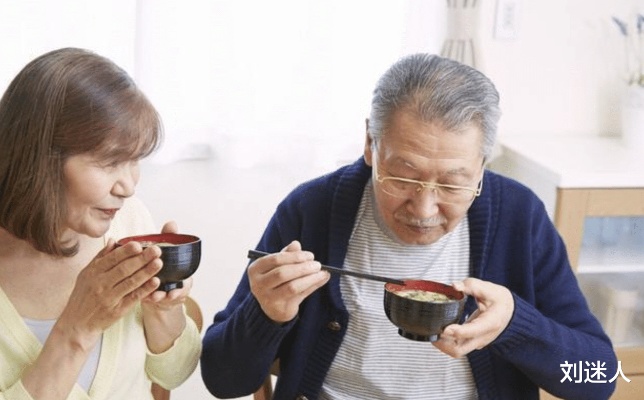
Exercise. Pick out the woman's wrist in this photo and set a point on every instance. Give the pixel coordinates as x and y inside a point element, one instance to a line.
<point>73,339</point>
<point>162,326</point>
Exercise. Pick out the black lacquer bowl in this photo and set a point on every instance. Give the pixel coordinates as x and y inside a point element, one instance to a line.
<point>422,320</point>
<point>180,254</point>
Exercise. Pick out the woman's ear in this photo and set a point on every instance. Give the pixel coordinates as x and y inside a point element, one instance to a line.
<point>368,144</point>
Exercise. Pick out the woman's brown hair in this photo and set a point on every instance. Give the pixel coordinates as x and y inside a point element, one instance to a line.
<point>65,102</point>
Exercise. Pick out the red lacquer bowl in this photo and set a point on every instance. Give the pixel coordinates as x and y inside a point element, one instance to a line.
<point>422,320</point>
<point>180,254</point>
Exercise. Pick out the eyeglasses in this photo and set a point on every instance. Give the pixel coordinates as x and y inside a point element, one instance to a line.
<point>407,188</point>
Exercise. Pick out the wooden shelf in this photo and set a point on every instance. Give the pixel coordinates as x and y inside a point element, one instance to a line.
<point>580,177</point>
<point>574,205</point>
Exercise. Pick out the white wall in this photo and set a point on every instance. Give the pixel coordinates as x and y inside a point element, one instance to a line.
<point>291,69</point>
<point>30,28</point>
<point>222,71</point>
<point>562,75</point>
<point>293,75</point>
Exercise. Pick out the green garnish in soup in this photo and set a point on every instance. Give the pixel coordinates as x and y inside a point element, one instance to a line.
<point>424,295</point>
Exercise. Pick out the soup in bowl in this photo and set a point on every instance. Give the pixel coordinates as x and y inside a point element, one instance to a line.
<point>180,254</point>
<point>421,309</point>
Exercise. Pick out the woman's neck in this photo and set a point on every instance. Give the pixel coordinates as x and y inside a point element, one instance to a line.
<point>39,284</point>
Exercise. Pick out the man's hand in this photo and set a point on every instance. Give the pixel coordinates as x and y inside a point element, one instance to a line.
<point>281,281</point>
<point>495,309</point>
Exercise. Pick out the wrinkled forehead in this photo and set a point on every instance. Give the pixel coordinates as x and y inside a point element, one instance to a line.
<point>407,131</point>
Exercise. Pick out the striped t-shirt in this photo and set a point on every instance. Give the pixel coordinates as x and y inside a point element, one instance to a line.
<point>374,362</point>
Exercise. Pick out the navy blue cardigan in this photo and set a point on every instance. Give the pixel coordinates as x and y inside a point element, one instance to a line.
<point>513,243</point>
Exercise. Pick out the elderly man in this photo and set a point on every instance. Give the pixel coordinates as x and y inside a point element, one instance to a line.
<point>419,203</point>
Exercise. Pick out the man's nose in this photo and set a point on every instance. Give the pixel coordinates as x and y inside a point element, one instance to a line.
<point>425,203</point>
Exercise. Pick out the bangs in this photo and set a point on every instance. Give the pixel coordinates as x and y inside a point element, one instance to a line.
<point>128,143</point>
<point>135,131</point>
<point>104,113</point>
<point>117,129</point>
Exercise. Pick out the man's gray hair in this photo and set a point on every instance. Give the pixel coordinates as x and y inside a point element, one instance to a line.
<point>439,90</point>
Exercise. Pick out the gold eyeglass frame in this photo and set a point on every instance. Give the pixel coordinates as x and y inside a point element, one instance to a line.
<point>422,185</point>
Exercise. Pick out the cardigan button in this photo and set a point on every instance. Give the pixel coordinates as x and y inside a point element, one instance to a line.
<point>334,326</point>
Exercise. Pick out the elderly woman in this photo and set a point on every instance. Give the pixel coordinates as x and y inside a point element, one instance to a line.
<point>80,318</point>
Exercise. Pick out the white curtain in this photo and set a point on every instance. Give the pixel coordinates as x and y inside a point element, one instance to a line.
<point>32,27</point>
<point>252,81</point>
<point>462,41</point>
<point>258,81</point>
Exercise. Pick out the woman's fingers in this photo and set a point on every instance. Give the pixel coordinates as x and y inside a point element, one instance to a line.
<point>134,276</point>
<point>131,262</point>
<point>111,255</point>
<point>109,246</point>
<point>170,227</point>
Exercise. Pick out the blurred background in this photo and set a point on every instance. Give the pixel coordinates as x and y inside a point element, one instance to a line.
<point>249,73</point>
<point>257,96</point>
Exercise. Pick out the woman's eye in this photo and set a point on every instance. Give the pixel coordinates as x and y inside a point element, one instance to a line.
<point>109,164</point>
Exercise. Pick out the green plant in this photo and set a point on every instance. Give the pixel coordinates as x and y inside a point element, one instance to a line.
<point>633,49</point>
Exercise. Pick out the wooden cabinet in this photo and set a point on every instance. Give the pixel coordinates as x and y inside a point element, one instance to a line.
<point>577,178</point>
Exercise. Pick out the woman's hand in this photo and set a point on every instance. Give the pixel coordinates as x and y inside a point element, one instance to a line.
<point>281,281</point>
<point>113,282</point>
<point>105,290</point>
<point>164,301</point>
<point>163,315</point>
<point>495,309</point>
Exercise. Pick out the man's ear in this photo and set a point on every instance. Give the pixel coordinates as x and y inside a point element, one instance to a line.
<point>368,144</point>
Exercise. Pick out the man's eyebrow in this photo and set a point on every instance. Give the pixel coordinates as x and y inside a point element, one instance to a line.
<point>457,171</point>
<point>454,171</point>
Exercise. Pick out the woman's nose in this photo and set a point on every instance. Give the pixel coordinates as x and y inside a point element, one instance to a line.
<point>127,179</point>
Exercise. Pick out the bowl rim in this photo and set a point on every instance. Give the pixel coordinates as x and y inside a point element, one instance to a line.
<point>439,287</point>
<point>177,239</point>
